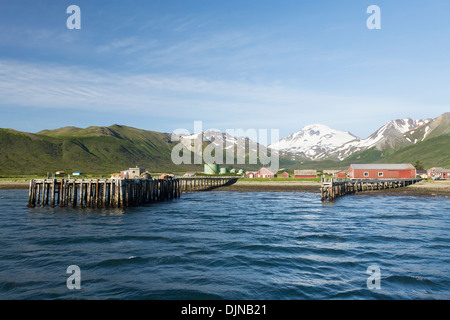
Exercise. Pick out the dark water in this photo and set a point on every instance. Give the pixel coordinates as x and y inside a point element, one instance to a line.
<point>229,245</point>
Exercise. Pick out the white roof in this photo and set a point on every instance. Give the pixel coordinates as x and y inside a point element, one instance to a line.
<point>383,166</point>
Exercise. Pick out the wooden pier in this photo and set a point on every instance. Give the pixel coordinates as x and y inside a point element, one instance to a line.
<point>115,193</point>
<point>332,189</point>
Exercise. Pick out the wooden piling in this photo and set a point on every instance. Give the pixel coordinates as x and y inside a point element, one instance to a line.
<point>330,190</point>
<point>116,193</point>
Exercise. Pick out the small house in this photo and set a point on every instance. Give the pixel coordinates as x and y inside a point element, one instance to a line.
<point>265,173</point>
<point>77,173</point>
<point>60,173</point>
<point>132,173</point>
<point>439,173</point>
<point>304,174</point>
<point>422,174</point>
<point>250,174</point>
<point>285,175</point>
<point>340,174</point>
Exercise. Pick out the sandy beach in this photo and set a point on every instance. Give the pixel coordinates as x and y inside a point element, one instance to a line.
<point>423,188</point>
<point>14,184</point>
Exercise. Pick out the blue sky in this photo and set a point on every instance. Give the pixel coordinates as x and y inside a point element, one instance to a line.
<point>161,65</point>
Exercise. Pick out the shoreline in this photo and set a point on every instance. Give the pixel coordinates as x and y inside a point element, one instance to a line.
<point>423,188</point>
<point>14,184</point>
<point>440,188</point>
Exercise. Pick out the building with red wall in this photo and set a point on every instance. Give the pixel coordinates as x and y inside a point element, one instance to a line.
<point>382,171</point>
<point>439,173</point>
<point>265,173</point>
<point>340,174</point>
<point>303,174</point>
<point>285,175</point>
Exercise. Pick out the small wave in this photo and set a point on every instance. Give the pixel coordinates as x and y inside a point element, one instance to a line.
<point>321,236</point>
<point>89,239</point>
<point>119,262</point>
<point>182,294</point>
<point>408,280</point>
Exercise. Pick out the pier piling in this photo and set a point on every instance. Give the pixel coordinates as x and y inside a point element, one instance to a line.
<point>116,193</point>
<point>331,189</point>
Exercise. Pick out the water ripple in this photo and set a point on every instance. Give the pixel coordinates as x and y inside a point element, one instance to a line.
<point>228,245</point>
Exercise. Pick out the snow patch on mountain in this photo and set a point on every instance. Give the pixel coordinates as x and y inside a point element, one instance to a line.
<point>313,141</point>
<point>317,141</point>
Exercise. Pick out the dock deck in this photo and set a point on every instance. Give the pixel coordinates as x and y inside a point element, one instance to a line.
<point>333,189</point>
<point>115,193</point>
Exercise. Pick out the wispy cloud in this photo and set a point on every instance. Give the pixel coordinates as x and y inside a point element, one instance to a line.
<point>223,104</point>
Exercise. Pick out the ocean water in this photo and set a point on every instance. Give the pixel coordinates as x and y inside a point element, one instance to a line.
<point>229,245</point>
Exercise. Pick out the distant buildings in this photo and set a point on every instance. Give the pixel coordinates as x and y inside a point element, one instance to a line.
<point>285,175</point>
<point>382,171</point>
<point>265,173</point>
<point>303,174</point>
<point>211,168</point>
<point>77,173</point>
<point>361,171</point>
<point>422,174</point>
<point>330,172</point>
<point>340,174</point>
<point>132,173</point>
<point>438,173</point>
<point>250,174</point>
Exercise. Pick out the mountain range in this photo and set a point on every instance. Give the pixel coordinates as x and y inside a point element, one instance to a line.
<point>110,149</point>
<point>319,142</point>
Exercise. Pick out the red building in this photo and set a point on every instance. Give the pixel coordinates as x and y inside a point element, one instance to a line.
<point>285,175</point>
<point>382,171</point>
<point>340,174</point>
<point>439,173</point>
<point>250,175</point>
<point>265,173</point>
<point>302,174</point>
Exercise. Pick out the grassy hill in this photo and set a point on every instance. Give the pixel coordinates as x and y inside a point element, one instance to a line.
<point>432,152</point>
<point>104,150</point>
<point>94,149</point>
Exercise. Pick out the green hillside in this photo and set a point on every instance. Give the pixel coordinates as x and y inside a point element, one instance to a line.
<point>432,152</point>
<point>94,149</point>
<point>103,150</point>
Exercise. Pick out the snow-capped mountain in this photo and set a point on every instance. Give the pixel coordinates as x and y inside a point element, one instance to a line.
<point>433,128</point>
<point>220,139</point>
<point>313,142</point>
<point>391,135</point>
<point>316,142</point>
<point>319,142</point>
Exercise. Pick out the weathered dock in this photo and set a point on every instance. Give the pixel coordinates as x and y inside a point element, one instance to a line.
<point>204,183</point>
<point>115,193</point>
<point>332,189</point>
